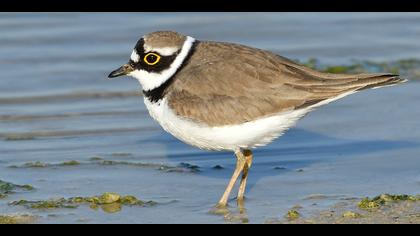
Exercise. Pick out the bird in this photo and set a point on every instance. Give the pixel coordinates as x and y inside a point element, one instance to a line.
<point>224,96</point>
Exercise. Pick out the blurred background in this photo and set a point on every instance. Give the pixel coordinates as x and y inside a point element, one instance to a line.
<point>57,107</point>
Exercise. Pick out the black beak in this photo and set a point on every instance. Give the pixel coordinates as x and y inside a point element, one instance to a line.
<point>123,70</point>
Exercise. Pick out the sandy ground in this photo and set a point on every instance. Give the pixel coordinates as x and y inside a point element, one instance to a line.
<point>405,212</point>
<point>346,212</point>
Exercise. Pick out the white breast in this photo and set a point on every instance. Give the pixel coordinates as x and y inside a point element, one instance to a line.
<point>247,135</point>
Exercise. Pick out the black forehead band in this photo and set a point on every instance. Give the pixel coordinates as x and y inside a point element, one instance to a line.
<point>139,48</point>
<point>164,63</point>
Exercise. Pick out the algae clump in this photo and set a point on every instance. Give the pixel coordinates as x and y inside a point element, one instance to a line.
<point>350,214</point>
<point>17,219</point>
<point>342,69</point>
<point>292,215</point>
<point>112,207</point>
<point>407,68</point>
<point>131,200</point>
<point>9,188</point>
<point>48,204</point>
<point>70,163</point>
<point>36,164</point>
<point>381,200</point>
<point>121,154</point>
<point>368,204</point>
<point>18,137</point>
<point>109,202</point>
<point>95,158</point>
<point>108,198</point>
<point>181,168</point>
<point>7,220</point>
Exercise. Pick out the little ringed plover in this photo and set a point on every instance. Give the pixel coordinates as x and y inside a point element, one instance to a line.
<point>226,96</point>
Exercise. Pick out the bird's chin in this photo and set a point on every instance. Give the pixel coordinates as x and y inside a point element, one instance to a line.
<point>132,74</point>
<point>137,77</point>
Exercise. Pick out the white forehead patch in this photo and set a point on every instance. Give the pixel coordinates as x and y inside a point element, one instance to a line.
<point>151,80</point>
<point>134,56</point>
<point>165,51</point>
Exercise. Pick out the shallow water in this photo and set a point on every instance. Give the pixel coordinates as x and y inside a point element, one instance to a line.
<point>55,97</point>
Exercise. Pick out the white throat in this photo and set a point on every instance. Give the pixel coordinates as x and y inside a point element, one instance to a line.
<point>152,80</point>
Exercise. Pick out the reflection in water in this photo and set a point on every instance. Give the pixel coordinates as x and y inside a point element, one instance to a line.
<point>237,215</point>
<point>111,208</point>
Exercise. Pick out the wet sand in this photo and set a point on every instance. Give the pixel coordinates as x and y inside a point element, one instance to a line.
<point>347,212</point>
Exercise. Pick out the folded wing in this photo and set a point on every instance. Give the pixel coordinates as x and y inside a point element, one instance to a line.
<point>237,84</point>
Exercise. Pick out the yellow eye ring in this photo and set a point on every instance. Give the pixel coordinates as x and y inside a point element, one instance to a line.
<point>150,56</point>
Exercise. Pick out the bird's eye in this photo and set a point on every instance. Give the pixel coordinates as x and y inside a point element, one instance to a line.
<point>151,59</point>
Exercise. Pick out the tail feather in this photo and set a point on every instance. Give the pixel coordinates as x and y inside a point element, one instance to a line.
<point>360,82</point>
<point>383,80</point>
<point>327,87</point>
<point>332,83</point>
<point>373,81</point>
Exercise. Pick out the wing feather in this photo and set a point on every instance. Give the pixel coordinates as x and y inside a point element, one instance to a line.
<point>226,84</point>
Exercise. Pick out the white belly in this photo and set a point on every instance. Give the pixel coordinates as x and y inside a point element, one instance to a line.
<point>231,137</point>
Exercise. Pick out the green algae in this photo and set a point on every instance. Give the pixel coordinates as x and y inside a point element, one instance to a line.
<point>109,202</point>
<point>108,198</point>
<point>8,220</point>
<point>292,215</point>
<point>70,163</point>
<point>39,164</point>
<point>95,158</point>
<point>343,69</point>
<point>121,154</point>
<point>351,214</point>
<point>18,137</point>
<point>36,164</point>
<point>382,209</point>
<point>241,218</point>
<point>180,168</point>
<point>111,207</point>
<point>131,200</point>
<point>407,67</point>
<point>7,188</point>
<point>381,200</point>
<point>17,219</point>
<point>48,204</point>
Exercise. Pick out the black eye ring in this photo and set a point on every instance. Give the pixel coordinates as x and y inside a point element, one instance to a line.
<point>151,58</point>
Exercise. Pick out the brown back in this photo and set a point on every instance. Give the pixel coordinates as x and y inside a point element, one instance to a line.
<point>225,84</point>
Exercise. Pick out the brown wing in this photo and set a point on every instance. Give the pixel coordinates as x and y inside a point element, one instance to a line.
<point>228,84</point>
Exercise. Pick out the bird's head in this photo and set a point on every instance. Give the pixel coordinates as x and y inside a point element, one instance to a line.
<point>156,58</point>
